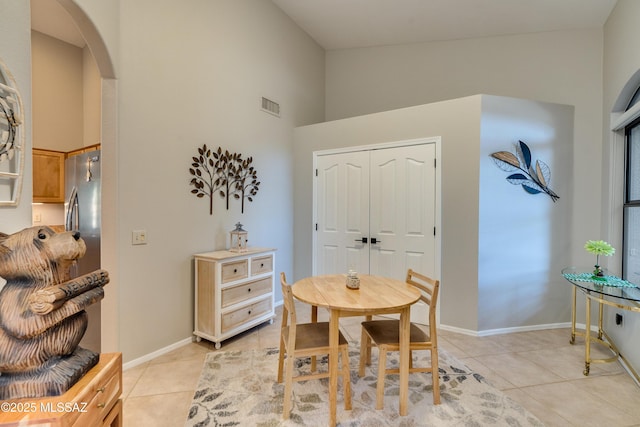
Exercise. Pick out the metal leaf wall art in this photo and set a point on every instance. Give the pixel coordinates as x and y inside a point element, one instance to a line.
<point>534,179</point>
<point>227,174</point>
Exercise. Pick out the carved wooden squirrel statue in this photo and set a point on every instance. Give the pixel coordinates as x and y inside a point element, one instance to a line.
<point>42,317</point>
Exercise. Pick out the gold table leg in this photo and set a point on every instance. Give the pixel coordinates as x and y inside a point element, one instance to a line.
<point>600,311</point>
<point>587,337</point>
<point>573,315</point>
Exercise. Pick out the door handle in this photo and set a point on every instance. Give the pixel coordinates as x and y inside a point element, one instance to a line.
<point>374,241</point>
<point>363,240</point>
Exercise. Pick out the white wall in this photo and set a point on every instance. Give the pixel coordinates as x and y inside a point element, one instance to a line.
<point>91,99</point>
<point>480,232</point>
<point>563,67</point>
<point>458,123</point>
<point>57,84</point>
<point>200,82</point>
<point>621,65</point>
<point>48,214</point>
<point>66,88</point>
<point>99,23</point>
<point>525,239</point>
<point>15,48</point>
<point>192,73</point>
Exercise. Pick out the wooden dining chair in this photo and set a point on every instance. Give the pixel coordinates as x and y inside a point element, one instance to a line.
<point>386,336</point>
<point>305,340</point>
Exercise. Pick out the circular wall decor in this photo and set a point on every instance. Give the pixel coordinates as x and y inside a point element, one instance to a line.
<point>11,139</point>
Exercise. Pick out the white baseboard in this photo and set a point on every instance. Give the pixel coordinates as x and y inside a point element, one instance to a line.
<point>489,332</point>
<point>147,357</point>
<point>485,333</point>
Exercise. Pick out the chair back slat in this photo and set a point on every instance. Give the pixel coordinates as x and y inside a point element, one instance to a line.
<point>289,309</point>
<point>429,289</point>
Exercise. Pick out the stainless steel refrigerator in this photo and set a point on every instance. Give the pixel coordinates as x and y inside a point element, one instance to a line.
<point>82,212</point>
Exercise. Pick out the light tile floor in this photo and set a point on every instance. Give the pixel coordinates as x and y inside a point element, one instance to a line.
<point>539,369</point>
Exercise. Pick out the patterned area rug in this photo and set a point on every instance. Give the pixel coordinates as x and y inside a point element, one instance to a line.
<point>239,388</point>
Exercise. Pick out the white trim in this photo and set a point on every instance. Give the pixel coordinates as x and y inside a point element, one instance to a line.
<point>140,360</point>
<point>620,120</point>
<point>513,330</point>
<point>380,146</point>
<point>314,213</point>
<point>147,357</point>
<point>615,197</point>
<point>438,218</point>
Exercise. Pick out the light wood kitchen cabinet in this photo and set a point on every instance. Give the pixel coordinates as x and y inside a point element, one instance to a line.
<point>233,292</point>
<point>48,176</point>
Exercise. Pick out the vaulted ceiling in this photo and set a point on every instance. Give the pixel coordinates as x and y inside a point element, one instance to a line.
<point>343,24</point>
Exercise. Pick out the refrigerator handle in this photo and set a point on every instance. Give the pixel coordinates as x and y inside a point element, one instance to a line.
<point>71,220</point>
<point>90,161</point>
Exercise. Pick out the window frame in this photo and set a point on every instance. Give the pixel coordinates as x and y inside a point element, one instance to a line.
<point>627,201</point>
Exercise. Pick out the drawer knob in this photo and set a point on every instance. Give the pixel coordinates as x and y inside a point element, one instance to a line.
<point>235,270</point>
<point>101,405</point>
<point>101,389</point>
<point>249,311</point>
<point>262,265</point>
<point>249,290</point>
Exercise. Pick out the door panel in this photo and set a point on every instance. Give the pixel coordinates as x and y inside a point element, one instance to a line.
<point>403,210</point>
<point>343,213</point>
<point>387,194</point>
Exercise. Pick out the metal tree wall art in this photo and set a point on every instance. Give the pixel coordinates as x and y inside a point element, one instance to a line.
<point>227,172</point>
<point>246,183</point>
<point>204,170</point>
<point>224,173</point>
<point>534,179</point>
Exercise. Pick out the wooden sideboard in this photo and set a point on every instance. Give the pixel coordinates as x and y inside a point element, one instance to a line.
<point>93,401</point>
<point>233,292</point>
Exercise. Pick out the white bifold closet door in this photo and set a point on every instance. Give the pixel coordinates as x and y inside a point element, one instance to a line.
<point>375,211</point>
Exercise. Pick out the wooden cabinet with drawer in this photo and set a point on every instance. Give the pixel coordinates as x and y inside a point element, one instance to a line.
<point>92,401</point>
<point>233,292</point>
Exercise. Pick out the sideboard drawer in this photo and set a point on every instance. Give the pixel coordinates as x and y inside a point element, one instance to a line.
<point>263,264</point>
<point>235,271</point>
<point>245,314</point>
<point>225,284</point>
<point>236,294</point>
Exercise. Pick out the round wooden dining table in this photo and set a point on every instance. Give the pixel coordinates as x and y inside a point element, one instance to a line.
<point>376,295</point>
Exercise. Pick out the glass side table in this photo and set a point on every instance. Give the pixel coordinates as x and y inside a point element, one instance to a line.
<point>607,290</point>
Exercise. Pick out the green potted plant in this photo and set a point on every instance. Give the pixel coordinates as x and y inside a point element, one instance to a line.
<point>599,247</point>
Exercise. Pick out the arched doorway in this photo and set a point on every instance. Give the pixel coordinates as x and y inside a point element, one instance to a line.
<point>108,132</point>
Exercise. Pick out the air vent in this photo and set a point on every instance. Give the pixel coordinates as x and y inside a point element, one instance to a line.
<point>270,107</point>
